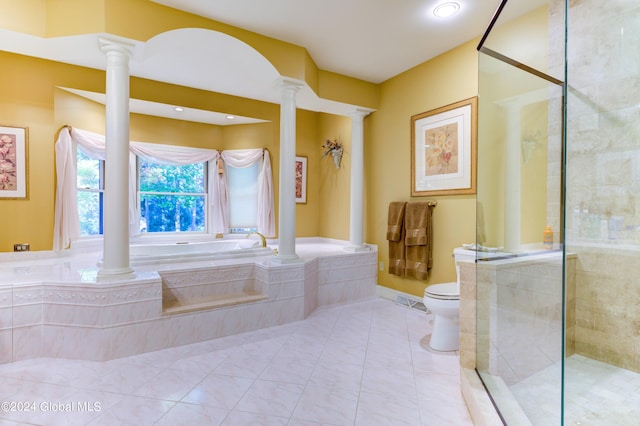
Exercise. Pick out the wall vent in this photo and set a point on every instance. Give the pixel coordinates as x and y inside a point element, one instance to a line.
<point>411,303</point>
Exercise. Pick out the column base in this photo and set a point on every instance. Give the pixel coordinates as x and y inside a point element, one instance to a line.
<point>282,259</point>
<point>356,249</point>
<point>115,274</point>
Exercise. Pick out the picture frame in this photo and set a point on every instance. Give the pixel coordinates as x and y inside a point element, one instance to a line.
<point>444,150</point>
<point>301,180</point>
<point>14,163</point>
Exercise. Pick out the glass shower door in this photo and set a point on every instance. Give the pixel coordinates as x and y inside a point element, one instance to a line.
<point>520,293</point>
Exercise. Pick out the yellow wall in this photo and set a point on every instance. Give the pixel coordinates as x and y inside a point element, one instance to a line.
<point>335,184</point>
<point>533,185</point>
<point>27,101</point>
<point>491,158</point>
<point>449,78</point>
<point>143,19</point>
<point>504,88</point>
<point>308,214</point>
<point>349,90</point>
<point>28,16</point>
<point>525,39</point>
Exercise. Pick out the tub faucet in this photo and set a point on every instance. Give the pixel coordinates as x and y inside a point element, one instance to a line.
<point>263,239</point>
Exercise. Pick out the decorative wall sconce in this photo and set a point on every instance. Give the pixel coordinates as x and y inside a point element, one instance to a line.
<point>333,148</point>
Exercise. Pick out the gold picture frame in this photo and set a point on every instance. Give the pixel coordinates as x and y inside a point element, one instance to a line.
<point>301,180</point>
<point>444,150</point>
<point>14,164</point>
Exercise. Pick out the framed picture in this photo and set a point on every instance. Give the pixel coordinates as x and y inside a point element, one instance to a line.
<point>443,150</point>
<point>13,162</point>
<point>301,179</point>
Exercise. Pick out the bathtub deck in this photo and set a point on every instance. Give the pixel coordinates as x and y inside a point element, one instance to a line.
<point>55,305</point>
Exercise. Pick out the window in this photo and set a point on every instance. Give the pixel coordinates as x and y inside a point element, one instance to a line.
<point>90,183</point>
<point>242,190</point>
<point>172,198</point>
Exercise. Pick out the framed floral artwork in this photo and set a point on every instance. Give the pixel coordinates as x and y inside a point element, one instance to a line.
<point>301,179</point>
<point>444,150</point>
<point>13,163</point>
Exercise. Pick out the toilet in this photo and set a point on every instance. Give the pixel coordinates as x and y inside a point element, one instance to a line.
<point>443,300</point>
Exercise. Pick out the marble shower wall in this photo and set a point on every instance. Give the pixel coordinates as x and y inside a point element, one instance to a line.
<point>603,176</point>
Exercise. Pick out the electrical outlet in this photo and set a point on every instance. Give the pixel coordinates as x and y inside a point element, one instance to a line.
<point>382,266</point>
<point>21,247</point>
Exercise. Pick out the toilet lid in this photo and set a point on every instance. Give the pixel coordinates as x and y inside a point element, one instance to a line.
<point>448,291</point>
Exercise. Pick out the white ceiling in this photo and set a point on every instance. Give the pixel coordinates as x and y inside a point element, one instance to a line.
<point>371,40</point>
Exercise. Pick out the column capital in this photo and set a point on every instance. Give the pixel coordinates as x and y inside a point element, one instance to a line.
<point>288,84</point>
<point>108,45</point>
<point>360,113</point>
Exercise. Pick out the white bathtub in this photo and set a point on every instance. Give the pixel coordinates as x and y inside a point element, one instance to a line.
<point>192,251</point>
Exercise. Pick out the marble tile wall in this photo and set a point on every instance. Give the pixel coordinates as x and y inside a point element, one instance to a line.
<point>311,287</point>
<point>607,315</point>
<point>344,278</point>
<point>6,323</point>
<point>107,321</point>
<point>519,314</point>
<point>603,175</point>
<point>205,283</point>
<point>470,320</point>
<point>27,321</point>
<point>511,321</point>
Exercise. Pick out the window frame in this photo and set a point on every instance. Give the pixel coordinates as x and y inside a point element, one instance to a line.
<point>204,194</point>
<point>206,223</point>
<point>99,191</point>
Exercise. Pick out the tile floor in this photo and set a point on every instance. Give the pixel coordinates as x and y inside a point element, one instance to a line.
<point>359,364</point>
<point>595,394</point>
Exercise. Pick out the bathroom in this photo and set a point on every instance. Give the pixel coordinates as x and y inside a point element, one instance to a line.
<point>34,97</point>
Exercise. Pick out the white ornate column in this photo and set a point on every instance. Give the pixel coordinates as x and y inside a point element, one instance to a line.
<point>356,211</point>
<point>116,188</point>
<point>287,185</point>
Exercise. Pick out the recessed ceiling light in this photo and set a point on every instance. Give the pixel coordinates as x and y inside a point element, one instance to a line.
<point>445,10</point>
<point>178,109</point>
<point>230,117</point>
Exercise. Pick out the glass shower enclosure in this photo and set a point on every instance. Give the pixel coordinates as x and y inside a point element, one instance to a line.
<point>558,323</point>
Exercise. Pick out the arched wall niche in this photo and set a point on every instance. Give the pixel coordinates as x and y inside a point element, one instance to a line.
<point>207,60</point>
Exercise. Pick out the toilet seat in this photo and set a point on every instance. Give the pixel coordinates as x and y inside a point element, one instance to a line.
<point>448,291</point>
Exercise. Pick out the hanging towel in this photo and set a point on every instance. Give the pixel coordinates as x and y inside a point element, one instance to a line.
<point>395,236</point>
<point>419,257</point>
<point>415,223</point>
<point>417,268</point>
<point>395,219</point>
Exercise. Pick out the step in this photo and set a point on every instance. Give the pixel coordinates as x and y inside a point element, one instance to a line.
<point>212,302</point>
